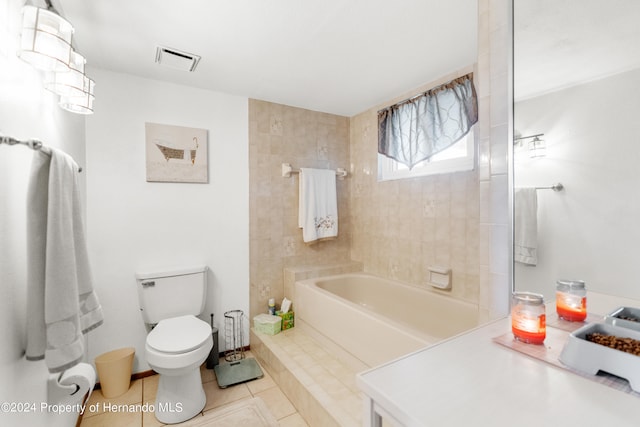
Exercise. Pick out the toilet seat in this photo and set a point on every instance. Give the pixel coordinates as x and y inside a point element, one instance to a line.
<point>179,335</point>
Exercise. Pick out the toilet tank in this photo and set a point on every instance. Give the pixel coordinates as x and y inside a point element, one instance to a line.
<point>166,294</point>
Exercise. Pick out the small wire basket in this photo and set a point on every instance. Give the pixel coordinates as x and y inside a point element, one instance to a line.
<point>234,335</point>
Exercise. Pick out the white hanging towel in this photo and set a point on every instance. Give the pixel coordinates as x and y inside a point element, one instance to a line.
<point>526,226</point>
<point>61,303</point>
<point>318,209</point>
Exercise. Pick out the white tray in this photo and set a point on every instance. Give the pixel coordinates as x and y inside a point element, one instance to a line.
<point>589,357</point>
<point>613,318</point>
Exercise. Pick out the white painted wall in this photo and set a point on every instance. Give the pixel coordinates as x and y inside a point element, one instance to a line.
<point>589,231</point>
<point>134,225</point>
<point>26,111</point>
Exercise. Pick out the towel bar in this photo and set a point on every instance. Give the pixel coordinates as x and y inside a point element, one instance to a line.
<point>287,170</point>
<point>34,144</point>
<point>554,187</point>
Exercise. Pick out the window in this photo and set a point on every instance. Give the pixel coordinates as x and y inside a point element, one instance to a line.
<point>458,157</point>
<point>429,133</point>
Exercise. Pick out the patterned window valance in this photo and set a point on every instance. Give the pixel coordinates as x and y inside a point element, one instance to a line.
<point>416,129</point>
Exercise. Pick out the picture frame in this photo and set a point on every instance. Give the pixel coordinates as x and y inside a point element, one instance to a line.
<point>176,153</point>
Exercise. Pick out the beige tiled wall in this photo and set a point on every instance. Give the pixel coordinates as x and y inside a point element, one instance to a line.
<point>294,274</point>
<point>396,228</point>
<point>400,227</point>
<point>282,134</point>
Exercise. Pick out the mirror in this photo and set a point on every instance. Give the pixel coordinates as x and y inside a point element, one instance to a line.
<point>577,85</point>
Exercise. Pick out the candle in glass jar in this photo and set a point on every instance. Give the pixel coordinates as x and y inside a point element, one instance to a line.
<point>528,320</point>
<point>571,300</point>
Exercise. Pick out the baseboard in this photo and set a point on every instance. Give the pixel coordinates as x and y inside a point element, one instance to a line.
<point>151,372</point>
<point>144,374</point>
<point>136,376</point>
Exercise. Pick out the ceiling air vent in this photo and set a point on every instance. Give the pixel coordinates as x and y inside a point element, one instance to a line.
<point>176,59</point>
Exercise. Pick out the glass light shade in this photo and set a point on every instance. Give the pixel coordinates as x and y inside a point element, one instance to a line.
<point>537,148</point>
<point>72,82</point>
<point>80,104</point>
<point>45,40</point>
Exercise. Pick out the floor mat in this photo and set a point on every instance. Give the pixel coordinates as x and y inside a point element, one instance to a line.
<point>230,373</point>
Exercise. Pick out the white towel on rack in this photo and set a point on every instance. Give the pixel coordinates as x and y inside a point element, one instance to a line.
<point>526,226</point>
<point>61,303</point>
<point>318,209</point>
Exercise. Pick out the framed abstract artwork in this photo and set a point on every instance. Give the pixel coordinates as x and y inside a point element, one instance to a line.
<point>176,153</point>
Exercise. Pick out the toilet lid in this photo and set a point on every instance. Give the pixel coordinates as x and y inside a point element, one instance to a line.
<point>179,334</point>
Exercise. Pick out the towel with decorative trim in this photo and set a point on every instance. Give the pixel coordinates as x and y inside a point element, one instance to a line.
<point>318,209</point>
<point>526,226</point>
<point>61,303</point>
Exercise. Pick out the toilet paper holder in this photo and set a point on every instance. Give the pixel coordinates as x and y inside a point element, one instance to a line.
<point>71,385</point>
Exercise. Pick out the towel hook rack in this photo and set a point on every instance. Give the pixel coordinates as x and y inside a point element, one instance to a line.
<point>287,170</point>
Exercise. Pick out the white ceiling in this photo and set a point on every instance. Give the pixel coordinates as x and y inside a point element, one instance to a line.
<point>563,43</point>
<point>337,56</point>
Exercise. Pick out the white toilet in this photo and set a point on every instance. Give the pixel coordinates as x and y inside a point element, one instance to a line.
<point>179,342</point>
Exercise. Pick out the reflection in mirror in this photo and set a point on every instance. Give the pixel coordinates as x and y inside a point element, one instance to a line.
<point>577,85</point>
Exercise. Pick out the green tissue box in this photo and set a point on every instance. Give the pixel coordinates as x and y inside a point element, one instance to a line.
<point>267,324</point>
<point>287,319</point>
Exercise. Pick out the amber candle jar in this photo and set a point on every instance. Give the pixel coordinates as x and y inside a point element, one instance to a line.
<point>528,320</point>
<point>571,300</point>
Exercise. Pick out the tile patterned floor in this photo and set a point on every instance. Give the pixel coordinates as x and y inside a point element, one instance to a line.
<point>144,390</point>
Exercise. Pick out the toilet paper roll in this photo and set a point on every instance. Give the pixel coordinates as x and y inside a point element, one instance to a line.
<point>71,386</point>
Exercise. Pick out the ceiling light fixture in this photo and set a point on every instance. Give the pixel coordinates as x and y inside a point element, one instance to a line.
<point>45,39</point>
<point>46,43</point>
<point>82,104</point>
<point>69,83</point>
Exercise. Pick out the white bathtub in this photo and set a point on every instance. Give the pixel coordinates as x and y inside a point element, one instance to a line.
<point>377,320</point>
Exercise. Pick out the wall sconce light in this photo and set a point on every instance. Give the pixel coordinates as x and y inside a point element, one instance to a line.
<point>46,44</point>
<point>537,146</point>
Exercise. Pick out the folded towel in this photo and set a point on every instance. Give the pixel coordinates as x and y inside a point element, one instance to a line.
<point>526,226</point>
<point>61,303</point>
<point>318,209</point>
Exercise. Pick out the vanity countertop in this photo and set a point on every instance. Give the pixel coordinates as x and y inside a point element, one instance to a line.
<point>471,380</point>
